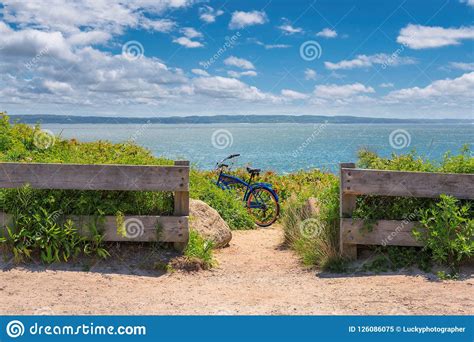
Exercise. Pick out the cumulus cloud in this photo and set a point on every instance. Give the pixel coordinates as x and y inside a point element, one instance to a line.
<point>341,91</point>
<point>293,95</point>
<point>200,72</point>
<point>158,25</point>
<point>424,37</point>
<point>73,16</point>
<point>223,87</point>
<point>244,19</point>
<point>29,43</point>
<point>364,61</point>
<point>462,86</point>
<point>309,74</point>
<point>238,74</point>
<point>209,14</point>
<point>239,63</point>
<point>462,65</point>
<point>327,33</point>
<point>386,85</point>
<point>188,43</point>
<point>288,29</point>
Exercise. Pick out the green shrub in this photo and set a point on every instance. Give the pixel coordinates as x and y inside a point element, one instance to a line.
<point>449,232</point>
<point>38,231</point>
<point>200,248</point>
<point>315,238</point>
<point>228,204</point>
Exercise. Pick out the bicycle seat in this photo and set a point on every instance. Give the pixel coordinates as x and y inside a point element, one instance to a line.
<point>253,171</point>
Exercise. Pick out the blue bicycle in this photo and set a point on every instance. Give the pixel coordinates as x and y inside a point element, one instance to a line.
<point>260,199</point>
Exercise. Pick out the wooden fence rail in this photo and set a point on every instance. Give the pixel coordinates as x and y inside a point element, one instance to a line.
<point>354,182</point>
<point>113,177</point>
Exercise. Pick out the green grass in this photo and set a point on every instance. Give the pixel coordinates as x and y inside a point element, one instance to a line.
<point>200,249</point>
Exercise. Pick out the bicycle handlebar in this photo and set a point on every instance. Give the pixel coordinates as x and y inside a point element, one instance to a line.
<point>233,156</point>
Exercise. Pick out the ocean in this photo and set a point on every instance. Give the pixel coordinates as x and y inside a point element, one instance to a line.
<point>284,147</point>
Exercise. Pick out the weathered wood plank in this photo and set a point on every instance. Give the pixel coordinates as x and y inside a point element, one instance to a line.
<point>347,206</point>
<point>383,232</point>
<point>181,206</point>
<point>135,228</point>
<point>95,177</point>
<point>407,184</point>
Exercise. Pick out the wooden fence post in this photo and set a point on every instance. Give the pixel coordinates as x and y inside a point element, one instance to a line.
<point>181,205</point>
<point>347,204</point>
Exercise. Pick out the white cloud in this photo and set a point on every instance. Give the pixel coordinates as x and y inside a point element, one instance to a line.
<point>239,63</point>
<point>386,85</point>
<point>288,29</point>
<point>29,43</point>
<point>462,86</point>
<point>462,65</point>
<point>364,61</point>
<point>209,14</point>
<point>72,16</point>
<point>188,43</point>
<point>276,46</point>
<point>191,32</point>
<point>424,37</point>
<point>57,87</point>
<point>327,33</point>
<point>159,25</point>
<point>468,2</point>
<point>200,72</point>
<point>270,46</point>
<point>89,38</point>
<point>309,74</point>
<point>238,74</point>
<point>341,91</point>
<point>223,87</point>
<point>243,19</point>
<point>293,95</point>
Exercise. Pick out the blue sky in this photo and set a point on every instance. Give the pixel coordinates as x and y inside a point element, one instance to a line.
<point>408,59</point>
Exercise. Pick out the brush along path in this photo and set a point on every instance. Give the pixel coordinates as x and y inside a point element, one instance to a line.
<point>254,276</point>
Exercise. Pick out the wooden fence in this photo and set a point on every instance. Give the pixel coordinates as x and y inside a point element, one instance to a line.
<point>356,182</point>
<point>113,177</point>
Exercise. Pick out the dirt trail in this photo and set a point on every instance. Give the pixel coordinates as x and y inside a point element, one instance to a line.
<point>255,276</point>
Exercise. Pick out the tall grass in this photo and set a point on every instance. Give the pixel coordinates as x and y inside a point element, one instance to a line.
<point>314,237</point>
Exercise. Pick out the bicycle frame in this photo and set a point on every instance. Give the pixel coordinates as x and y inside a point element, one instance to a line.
<point>225,180</point>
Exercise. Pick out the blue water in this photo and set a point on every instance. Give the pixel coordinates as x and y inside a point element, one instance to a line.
<point>279,147</point>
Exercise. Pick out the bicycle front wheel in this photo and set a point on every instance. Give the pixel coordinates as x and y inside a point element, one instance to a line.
<point>263,206</point>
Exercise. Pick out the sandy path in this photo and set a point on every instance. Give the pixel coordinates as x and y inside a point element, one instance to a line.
<point>254,276</point>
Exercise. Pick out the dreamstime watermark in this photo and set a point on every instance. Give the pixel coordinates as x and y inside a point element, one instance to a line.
<point>44,139</point>
<point>221,139</point>
<point>229,44</point>
<point>34,61</point>
<point>399,139</point>
<point>139,132</point>
<point>15,329</point>
<point>400,228</point>
<point>133,228</point>
<point>317,130</point>
<point>310,50</point>
<point>133,50</point>
<point>310,228</point>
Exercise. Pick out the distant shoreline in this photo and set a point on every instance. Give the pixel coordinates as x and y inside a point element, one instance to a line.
<point>225,119</point>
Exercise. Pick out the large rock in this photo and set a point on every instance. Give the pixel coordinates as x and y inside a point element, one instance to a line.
<point>208,223</point>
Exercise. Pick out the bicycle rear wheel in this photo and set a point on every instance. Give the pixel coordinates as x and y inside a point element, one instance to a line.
<point>263,206</point>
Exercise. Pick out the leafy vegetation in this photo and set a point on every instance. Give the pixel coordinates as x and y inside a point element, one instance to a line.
<point>449,222</point>
<point>450,232</point>
<point>314,236</point>
<point>200,249</point>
